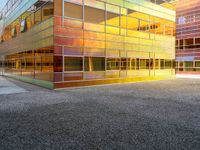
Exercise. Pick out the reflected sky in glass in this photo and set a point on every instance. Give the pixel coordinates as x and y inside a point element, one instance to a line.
<point>2,4</point>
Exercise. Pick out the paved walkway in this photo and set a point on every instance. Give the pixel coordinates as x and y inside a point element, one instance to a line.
<point>7,87</point>
<point>160,115</point>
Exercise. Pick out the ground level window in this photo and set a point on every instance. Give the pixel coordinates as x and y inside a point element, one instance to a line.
<point>144,63</point>
<point>157,64</point>
<point>168,64</point>
<point>124,64</point>
<point>133,64</point>
<point>94,64</point>
<point>188,64</point>
<point>197,64</point>
<point>73,64</point>
<point>162,64</point>
<point>113,63</point>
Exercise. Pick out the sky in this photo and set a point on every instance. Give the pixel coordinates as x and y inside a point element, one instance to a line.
<point>2,3</point>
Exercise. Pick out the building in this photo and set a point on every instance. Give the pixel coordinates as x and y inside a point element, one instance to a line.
<point>188,37</point>
<point>66,43</point>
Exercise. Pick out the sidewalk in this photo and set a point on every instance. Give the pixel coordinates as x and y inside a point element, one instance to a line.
<point>7,87</point>
<point>188,76</point>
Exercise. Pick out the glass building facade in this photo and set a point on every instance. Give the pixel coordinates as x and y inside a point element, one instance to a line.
<point>66,43</point>
<point>188,37</point>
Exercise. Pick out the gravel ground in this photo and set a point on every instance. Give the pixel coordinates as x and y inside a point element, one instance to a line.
<point>160,115</point>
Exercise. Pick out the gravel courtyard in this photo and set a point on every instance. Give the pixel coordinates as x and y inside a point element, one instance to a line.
<point>159,115</point>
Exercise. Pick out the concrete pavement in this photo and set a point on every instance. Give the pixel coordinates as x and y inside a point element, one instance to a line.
<point>160,115</point>
<point>7,87</point>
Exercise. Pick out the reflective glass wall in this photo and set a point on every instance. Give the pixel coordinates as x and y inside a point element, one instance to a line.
<point>188,37</point>
<point>41,11</point>
<point>88,42</point>
<point>106,41</point>
<point>35,64</point>
<point>27,42</point>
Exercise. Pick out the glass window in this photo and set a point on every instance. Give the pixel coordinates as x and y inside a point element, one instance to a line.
<point>188,64</point>
<point>133,23</point>
<point>132,13</point>
<point>23,26</point>
<point>197,64</point>
<point>112,19</point>
<point>58,64</point>
<point>157,64</point>
<point>133,64</point>
<point>168,30</point>
<point>29,63</point>
<point>47,11</point>
<point>151,63</point>
<point>47,63</point>
<point>38,65</point>
<point>197,40</point>
<point>73,10</point>
<point>124,64</point>
<point>94,64</point>
<point>123,21</point>
<point>159,29</point>
<point>144,64</point>
<point>94,15</point>
<point>162,64</point>
<point>189,41</point>
<point>144,26</point>
<point>73,64</point>
<point>168,64</point>
<point>38,16</point>
<point>113,63</point>
<point>152,27</point>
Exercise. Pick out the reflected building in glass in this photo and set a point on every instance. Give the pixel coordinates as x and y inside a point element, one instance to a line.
<point>188,37</point>
<point>67,43</point>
